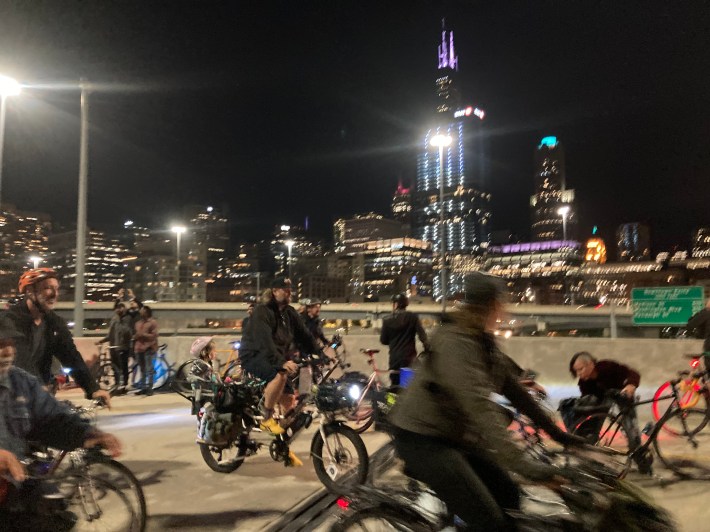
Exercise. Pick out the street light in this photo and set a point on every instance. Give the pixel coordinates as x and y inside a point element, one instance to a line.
<point>564,211</point>
<point>8,87</point>
<point>178,230</point>
<point>441,141</point>
<point>36,260</point>
<point>289,245</point>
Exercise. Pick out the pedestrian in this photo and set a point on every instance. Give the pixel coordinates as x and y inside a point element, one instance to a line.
<point>119,336</point>
<point>145,347</point>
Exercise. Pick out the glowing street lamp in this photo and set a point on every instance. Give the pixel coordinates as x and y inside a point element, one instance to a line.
<point>564,211</point>
<point>35,261</point>
<point>441,141</point>
<point>178,230</point>
<point>8,87</point>
<point>289,245</point>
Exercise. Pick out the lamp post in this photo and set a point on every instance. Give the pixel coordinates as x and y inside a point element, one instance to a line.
<point>35,261</point>
<point>8,87</point>
<point>564,211</point>
<point>440,141</point>
<point>178,230</point>
<point>289,245</point>
<point>81,212</point>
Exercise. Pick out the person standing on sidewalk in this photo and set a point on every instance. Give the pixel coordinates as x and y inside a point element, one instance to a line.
<point>119,335</point>
<point>145,347</point>
<point>399,332</point>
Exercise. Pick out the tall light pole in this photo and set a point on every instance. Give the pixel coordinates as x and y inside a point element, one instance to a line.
<point>289,245</point>
<point>8,87</point>
<point>441,141</point>
<point>178,230</point>
<point>564,211</point>
<point>81,212</point>
<point>35,261</point>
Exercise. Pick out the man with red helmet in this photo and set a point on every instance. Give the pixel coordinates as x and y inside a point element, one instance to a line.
<point>45,334</point>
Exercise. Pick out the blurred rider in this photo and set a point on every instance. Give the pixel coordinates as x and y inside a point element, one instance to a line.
<point>399,332</point>
<point>44,334</point>
<point>449,432</point>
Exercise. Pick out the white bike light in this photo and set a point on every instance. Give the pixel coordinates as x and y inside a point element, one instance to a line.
<point>354,392</point>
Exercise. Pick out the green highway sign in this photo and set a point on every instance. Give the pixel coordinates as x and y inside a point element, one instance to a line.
<point>666,306</point>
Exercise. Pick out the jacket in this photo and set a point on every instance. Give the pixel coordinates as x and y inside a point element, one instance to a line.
<point>610,376</point>
<point>120,332</point>
<point>146,336</point>
<point>449,398</point>
<point>34,415</point>
<point>399,331</point>
<point>272,333</point>
<point>314,327</point>
<point>701,323</point>
<point>58,343</point>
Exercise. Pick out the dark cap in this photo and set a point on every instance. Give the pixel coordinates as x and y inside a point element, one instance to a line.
<point>400,300</point>
<point>483,289</point>
<point>7,330</point>
<point>281,282</point>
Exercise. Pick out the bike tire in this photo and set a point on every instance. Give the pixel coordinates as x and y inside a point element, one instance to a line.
<point>604,421</point>
<point>688,399</point>
<point>335,475</point>
<point>106,485</point>
<point>161,374</point>
<point>221,466</point>
<point>684,454</point>
<point>180,382</point>
<point>382,518</point>
<point>108,377</point>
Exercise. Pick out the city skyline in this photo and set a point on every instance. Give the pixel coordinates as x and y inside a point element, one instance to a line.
<point>332,121</point>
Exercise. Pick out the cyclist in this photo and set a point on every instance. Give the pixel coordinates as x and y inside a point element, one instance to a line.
<point>45,334</point>
<point>119,335</point>
<point>28,412</point>
<point>273,331</point>
<point>311,318</point>
<point>250,311</point>
<point>596,378</point>
<point>399,332</point>
<point>447,430</point>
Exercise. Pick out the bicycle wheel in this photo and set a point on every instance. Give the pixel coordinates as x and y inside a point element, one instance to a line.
<point>180,382</point>
<point>600,429</point>
<point>684,448</point>
<point>108,377</point>
<point>341,462</point>
<point>689,398</point>
<point>161,372</point>
<point>383,518</point>
<point>106,496</point>
<point>222,458</point>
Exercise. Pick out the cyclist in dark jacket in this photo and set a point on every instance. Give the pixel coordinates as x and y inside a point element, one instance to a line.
<point>399,332</point>
<point>311,318</point>
<point>701,323</point>
<point>45,334</point>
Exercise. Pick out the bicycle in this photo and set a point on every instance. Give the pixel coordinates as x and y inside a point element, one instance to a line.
<point>162,370</point>
<point>678,449</point>
<point>363,415</point>
<point>106,373</point>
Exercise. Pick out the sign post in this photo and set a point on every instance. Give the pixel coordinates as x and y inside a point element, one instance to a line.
<point>666,306</point>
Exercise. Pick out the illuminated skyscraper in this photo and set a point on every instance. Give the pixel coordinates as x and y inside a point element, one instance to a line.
<point>633,242</point>
<point>402,204</point>
<point>551,194</point>
<point>466,206</point>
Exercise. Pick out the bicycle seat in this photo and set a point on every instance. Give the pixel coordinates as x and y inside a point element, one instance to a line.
<point>369,352</point>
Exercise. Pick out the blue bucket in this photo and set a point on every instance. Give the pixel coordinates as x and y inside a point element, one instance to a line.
<point>405,377</point>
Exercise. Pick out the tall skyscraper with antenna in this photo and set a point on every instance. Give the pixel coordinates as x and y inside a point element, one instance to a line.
<point>467,212</point>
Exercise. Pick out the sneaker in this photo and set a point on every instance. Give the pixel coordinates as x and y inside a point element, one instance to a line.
<point>293,460</point>
<point>272,426</point>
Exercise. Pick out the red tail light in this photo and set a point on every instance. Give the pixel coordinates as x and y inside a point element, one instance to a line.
<point>343,503</point>
<point>695,363</point>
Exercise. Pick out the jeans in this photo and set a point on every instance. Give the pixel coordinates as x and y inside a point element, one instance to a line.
<point>120,358</point>
<point>146,361</point>
<point>473,486</point>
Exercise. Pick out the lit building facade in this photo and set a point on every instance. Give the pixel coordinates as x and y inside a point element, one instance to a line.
<point>633,242</point>
<point>701,243</point>
<point>467,211</point>
<point>402,205</point>
<point>551,194</point>
<point>595,251</point>
<point>351,235</point>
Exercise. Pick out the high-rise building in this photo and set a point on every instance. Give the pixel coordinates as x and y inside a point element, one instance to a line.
<point>701,242</point>
<point>633,242</point>
<point>209,228</point>
<point>552,195</point>
<point>402,205</point>
<point>467,212</point>
<point>350,235</point>
<point>105,266</point>
<point>23,235</point>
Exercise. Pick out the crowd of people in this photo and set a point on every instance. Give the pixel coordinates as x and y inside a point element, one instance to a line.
<point>446,430</point>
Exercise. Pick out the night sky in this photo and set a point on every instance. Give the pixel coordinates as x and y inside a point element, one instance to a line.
<point>315,108</point>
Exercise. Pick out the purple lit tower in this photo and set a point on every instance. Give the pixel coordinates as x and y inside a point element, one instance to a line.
<point>466,205</point>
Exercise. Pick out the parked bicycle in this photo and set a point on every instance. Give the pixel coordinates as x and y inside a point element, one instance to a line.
<point>162,370</point>
<point>106,373</point>
<point>685,442</point>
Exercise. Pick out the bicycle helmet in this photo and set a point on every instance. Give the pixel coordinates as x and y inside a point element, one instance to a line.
<point>199,344</point>
<point>34,276</point>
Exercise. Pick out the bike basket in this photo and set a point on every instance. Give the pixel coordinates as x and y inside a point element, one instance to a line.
<point>332,396</point>
<point>232,398</point>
